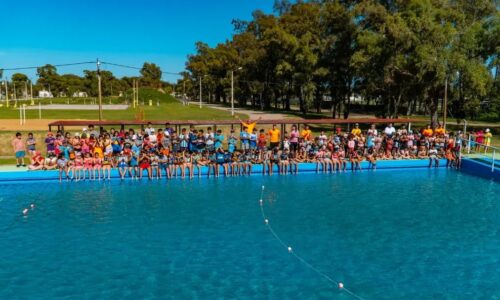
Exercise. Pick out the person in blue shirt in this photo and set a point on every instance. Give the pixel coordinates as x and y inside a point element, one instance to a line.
<point>370,142</point>
<point>218,139</point>
<point>193,140</point>
<point>253,139</point>
<point>245,140</point>
<point>231,143</point>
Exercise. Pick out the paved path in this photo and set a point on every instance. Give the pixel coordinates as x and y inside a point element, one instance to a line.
<point>269,115</point>
<point>253,114</point>
<point>79,107</point>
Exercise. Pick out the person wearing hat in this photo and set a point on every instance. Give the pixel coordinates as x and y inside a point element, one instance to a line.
<point>487,137</point>
<point>356,131</point>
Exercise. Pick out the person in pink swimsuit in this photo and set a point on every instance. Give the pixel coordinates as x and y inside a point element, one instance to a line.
<point>88,166</point>
<point>97,166</point>
<point>78,168</point>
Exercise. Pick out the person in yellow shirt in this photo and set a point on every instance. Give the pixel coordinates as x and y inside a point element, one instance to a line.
<point>356,131</point>
<point>249,125</point>
<point>487,137</point>
<point>439,131</point>
<point>274,137</point>
<point>428,132</point>
<point>306,133</point>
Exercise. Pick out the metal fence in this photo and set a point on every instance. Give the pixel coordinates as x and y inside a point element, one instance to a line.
<point>484,153</point>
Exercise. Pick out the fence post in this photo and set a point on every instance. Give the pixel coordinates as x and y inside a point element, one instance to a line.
<point>493,162</point>
<point>468,144</point>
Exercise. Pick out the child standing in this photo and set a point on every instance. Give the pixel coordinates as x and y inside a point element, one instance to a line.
<point>19,149</point>
<point>31,144</point>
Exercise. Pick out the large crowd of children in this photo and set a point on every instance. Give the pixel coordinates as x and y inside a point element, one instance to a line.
<point>158,153</point>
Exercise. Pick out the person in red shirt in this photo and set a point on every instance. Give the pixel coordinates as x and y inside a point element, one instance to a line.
<point>261,140</point>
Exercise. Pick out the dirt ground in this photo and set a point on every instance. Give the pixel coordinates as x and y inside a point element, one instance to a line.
<point>31,124</point>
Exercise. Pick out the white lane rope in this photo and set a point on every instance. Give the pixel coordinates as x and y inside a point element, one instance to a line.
<point>290,250</point>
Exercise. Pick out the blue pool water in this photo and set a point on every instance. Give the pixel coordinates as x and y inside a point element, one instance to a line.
<point>419,234</point>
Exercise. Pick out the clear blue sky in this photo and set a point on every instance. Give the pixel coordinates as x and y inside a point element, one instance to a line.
<point>129,32</point>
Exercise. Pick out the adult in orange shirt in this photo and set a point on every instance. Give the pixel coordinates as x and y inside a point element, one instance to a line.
<point>428,132</point>
<point>439,131</point>
<point>274,137</point>
<point>306,134</point>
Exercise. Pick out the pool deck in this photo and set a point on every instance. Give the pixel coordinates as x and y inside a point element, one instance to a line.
<point>12,173</point>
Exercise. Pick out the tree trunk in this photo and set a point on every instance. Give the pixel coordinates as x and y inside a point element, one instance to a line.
<point>433,109</point>
<point>396,105</point>
<point>347,100</point>
<point>318,100</point>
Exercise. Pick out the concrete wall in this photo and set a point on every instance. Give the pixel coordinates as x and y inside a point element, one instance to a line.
<point>256,170</point>
<point>480,169</point>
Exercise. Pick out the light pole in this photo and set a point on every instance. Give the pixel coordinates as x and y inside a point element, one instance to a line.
<point>445,102</point>
<point>99,89</point>
<point>200,89</point>
<point>232,90</point>
<point>31,92</point>
<point>6,93</point>
<point>184,92</point>
<point>15,96</point>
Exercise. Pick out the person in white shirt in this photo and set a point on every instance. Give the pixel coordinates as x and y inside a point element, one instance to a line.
<point>152,136</point>
<point>150,130</point>
<point>373,131</point>
<point>402,130</point>
<point>322,138</point>
<point>389,130</point>
<point>209,139</point>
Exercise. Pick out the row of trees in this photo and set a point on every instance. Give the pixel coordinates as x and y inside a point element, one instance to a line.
<point>68,84</point>
<point>397,54</point>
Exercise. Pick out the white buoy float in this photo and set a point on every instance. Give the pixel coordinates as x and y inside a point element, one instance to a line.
<point>25,211</point>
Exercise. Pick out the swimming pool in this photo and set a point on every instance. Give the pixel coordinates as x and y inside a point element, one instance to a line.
<point>399,234</point>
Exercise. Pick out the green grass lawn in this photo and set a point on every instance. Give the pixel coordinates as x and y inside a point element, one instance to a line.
<point>165,107</point>
<point>8,161</point>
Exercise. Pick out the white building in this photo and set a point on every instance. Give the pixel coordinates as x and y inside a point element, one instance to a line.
<point>80,95</point>
<point>45,94</point>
